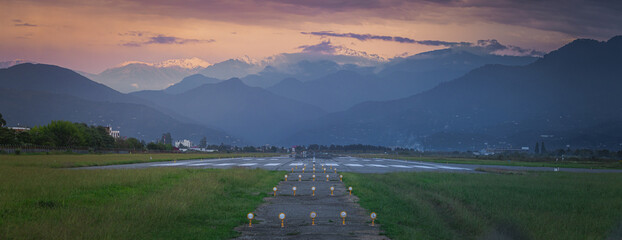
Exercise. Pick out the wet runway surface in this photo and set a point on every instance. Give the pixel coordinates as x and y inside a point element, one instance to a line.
<point>343,164</point>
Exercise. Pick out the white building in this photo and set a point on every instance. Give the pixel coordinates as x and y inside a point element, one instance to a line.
<point>20,129</point>
<point>113,133</point>
<point>187,143</point>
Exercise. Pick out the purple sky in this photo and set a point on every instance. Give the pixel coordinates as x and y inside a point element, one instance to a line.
<point>94,35</point>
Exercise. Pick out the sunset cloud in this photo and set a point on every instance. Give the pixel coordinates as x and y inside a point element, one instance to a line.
<point>158,39</point>
<point>19,23</point>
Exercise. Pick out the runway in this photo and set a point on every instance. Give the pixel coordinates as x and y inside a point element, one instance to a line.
<point>343,164</point>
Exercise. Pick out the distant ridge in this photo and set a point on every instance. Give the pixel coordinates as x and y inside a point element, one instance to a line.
<point>249,112</point>
<point>35,94</point>
<point>571,94</point>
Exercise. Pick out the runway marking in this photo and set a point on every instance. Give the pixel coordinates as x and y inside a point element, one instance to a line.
<point>353,165</point>
<point>260,159</point>
<point>295,164</point>
<point>400,166</point>
<point>376,165</point>
<point>274,159</point>
<point>199,164</point>
<point>353,159</point>
<point>224,164</point>
<point>332,164</point>
<point>426,167</point>
<point>444,167</point>
<point>272,164</point>
<point>247,159</point>
<point>366,160</point>
<point>452,168</point>
<point>247,164</point>
<point>169,164</point>
<point>379,160</point>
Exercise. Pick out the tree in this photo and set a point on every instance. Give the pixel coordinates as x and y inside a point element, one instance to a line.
<point>58,133</point>
<point>7,136</point>
<point>542,148</point>
<point>134,143</point>
<point>203,142</point>
<point>2,121</point>
<point>537,148</point>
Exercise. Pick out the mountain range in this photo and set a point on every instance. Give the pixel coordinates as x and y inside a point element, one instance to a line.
<point>569,97</point>
<point>342,88</point>
<point>253,113</point>
<point>134,76</point>
<point>35,94</point>
<point>452,99</point>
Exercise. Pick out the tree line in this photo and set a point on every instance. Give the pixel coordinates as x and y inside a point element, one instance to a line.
<point>65,134</point>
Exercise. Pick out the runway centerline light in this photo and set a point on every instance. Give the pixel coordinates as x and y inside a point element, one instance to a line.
<point>312,215</point>
<point>282,217</point>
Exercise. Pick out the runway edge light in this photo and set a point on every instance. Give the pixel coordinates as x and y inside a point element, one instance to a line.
<point>373,217</point>
<point>250,217</point>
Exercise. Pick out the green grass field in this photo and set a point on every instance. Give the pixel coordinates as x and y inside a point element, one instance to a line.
<point>493,206</point>
<point>84,160</point>
<point>40,201</point>
<point>509,162</point>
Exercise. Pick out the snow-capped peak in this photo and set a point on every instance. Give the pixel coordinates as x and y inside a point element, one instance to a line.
<point>187,63</point>
<point>355,53</point>
<point>134,62</point>
<point>247,59</point>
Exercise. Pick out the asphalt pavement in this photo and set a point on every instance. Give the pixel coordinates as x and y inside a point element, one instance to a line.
<point>343,164</point>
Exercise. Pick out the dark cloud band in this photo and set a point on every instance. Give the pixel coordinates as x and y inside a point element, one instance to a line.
<point>365,37</point>
<point>486,46</point>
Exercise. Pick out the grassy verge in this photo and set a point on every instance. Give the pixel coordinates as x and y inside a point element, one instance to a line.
<point>493,206</point>
<point>38,202</point>
<point>84,160</point>
<point>564,164</point>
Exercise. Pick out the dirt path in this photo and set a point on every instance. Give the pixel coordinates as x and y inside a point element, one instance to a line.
<point>297,223</point>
